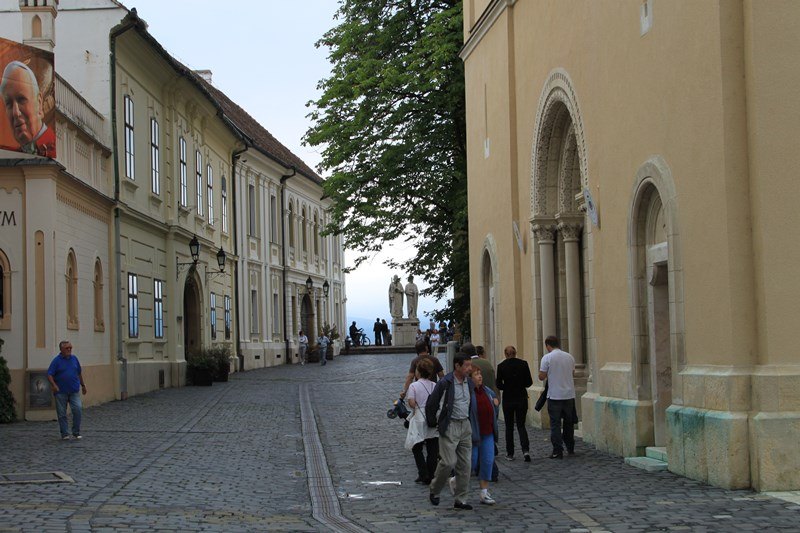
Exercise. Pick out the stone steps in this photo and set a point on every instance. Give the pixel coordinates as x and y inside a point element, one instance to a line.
<point>655,459</point>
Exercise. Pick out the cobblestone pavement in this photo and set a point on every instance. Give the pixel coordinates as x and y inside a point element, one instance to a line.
<point>232,458</point>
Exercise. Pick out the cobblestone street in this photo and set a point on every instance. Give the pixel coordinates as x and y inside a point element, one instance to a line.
<point>246,455</point>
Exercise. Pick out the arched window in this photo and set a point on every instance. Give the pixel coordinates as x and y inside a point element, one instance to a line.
<point>304,230</point>
<point>291,225</point>
<point>72,291</point>
<point>99,322</point>
<point>36,27</point>
<point>5,292</point>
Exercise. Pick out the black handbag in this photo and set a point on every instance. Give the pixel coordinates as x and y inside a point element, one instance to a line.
<point>542,398</point>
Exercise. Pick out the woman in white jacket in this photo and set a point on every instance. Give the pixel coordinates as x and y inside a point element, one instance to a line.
<point>419,434</point>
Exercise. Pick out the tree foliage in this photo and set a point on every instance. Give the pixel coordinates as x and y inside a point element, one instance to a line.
<point>391,122</point>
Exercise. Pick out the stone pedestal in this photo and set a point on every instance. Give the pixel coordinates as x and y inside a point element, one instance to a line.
<point>404,331</point>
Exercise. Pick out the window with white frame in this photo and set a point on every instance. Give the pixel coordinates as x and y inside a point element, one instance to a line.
<point>72,291</point>
<point>273,218</point>
<point>251,199</point>
<point>213,316</point>
<point>155,178</point>
<point>133,305</point>
<point>198,170</point>
<point>183,171</point>
<point>316,235</point>
<point>99,322</point>
<point>224,207</point>
<point>129,145</point>
<point>210,195</point>
<point>303,230</point>
<point>291,225</point>
<point>253,311</point>
<point>227,317</point>
<point>276,314</point>
<point>158,309</point>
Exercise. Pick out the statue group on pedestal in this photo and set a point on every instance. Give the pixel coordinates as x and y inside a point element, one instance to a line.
<point>396,292</point>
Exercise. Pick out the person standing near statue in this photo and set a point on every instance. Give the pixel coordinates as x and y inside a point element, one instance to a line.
<point>396,298</point>
<point>377,329</point>
<point>412,295</point>
<point>387,338</point>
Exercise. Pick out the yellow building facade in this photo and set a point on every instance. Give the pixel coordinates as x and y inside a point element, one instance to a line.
<point>626,164</point>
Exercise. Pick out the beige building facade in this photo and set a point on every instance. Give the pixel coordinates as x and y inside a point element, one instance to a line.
<point>626,182</point>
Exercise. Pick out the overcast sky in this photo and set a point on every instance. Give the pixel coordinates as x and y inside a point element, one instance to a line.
<point>262,55</point>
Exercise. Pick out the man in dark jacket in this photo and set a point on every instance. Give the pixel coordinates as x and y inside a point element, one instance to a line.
<point>454,392</point>
<point>514,378</point>
<point>377,330</point>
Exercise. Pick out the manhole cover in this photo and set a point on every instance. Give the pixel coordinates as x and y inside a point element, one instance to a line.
<point>35,477</point>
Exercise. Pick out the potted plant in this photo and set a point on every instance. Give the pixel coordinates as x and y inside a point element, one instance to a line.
<point>222,359</point>
<point>200,368</point>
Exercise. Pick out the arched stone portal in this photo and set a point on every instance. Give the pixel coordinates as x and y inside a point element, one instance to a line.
<point>656,301</point>
<point>192,322</point>
<point>307,319</point>
<point>563,305</point>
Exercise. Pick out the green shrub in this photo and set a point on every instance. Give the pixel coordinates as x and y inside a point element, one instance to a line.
<point>7,412</point>
<point>221,356</point>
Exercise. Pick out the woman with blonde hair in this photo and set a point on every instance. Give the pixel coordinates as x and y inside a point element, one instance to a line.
<point>419,434</point>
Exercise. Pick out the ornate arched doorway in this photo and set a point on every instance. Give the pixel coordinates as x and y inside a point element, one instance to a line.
<point>192,304</point>
<point>307,318</point>
<point>560,227</point>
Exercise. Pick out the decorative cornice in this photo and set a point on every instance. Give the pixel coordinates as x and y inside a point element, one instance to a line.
<point>483,25</point>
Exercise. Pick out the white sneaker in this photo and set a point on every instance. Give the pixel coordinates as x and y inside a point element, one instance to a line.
<point>509,457</point>
<point>487,499</point>
<point>452,484</point>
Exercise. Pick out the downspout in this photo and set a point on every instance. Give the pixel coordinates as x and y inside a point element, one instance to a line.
<point>284,179</point>
<point>121,360</point>
<point>238,345</point>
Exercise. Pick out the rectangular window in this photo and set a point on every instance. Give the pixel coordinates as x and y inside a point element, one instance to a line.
<point>224,205</point>
<point>198,169</point>
<point>213,316</point>
<point>129,154</point>
<point>276,314</point>
<point>227,317</point>
<point>182,165</point>
<point>253,311</point>
<point>210,182</point>
<point>158,308</point>
<point>133,305</point>
<point>273,218</point>
<point>154,168</point>
<point>252,205</point>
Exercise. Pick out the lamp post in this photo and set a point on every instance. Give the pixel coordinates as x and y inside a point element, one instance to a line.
<point>220,262</point>
<point>194,251</point>
<point>309,285</point>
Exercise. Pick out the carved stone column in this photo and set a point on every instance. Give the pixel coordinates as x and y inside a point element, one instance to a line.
<point>545,236</point>
<point>571,233</point>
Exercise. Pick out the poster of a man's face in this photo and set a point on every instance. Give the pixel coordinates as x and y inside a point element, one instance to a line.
<point>27,91</point>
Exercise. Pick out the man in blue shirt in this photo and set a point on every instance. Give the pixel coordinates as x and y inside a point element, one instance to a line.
<point>67,384</point>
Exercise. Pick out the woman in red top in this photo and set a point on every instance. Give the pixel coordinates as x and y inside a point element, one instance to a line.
<point>483,417</point>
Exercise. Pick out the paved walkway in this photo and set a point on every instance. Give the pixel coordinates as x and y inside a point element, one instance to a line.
<point>246,455</point>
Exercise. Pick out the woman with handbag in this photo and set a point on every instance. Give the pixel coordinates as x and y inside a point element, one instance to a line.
<point>419,434</point>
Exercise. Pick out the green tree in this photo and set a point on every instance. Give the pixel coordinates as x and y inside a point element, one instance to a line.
<point>7,412</point>
<point>391,123</point>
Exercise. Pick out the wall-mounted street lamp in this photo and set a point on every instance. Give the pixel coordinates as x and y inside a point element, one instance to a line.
<point>309,285</point>
<point>220,263</point>
<point>325,288</point>
<point>194,251</point>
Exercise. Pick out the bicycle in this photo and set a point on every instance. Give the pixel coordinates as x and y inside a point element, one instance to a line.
<point>363,340</point>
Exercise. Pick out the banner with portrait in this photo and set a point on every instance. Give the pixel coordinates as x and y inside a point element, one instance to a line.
<point>29,104</point>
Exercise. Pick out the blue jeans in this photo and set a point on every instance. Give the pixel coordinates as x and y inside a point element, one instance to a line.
<point>484,452</point>
<point>74,400</point>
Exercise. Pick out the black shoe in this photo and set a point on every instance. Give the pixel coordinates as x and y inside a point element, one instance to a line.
<point>527,457</point>
<point>434,498</point>
<point>463,506</point>
<point>557,456</point>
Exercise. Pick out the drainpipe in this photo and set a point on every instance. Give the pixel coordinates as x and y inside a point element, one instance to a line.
<point>237,341</point>
<point>121,360</point>
<point>284,179</point>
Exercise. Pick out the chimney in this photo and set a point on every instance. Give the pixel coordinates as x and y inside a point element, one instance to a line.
<point>205,74</point>
<point>39,23</point>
